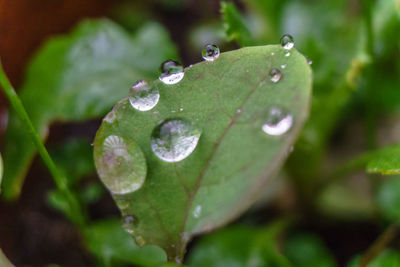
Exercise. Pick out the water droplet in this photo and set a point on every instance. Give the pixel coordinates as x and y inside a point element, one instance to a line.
<point>309,62</point>
<point>128,224</point>
<point>156,112</point>
<point>180,109</point>
<point>143,96</point>
<point>283,66</point>
<point>239,111</point>
<point>197,211</point>
<point>278,122</point>
<point>122,168</point>
<point>140,241</point>
<point>210,52</point>
<point>272,53</point>
<point>171,72</point>
<point>174,139</point>
<point>287,54</point>
<point>275,75</point>
<point>287,41</point>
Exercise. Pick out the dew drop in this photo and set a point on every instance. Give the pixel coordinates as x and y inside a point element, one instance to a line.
<point>128,224</point>
<point>143,96</point>
<point>287,54</point>
<point>272,53</point>
<point>309,61</point>
<point>283,66</point>
<point>275,75</point>
<point>174,139</point>
<point>287,41</point>
<point>278,122</point>
<point>122,168</point>
<point>197,211</point>
<point>171,72</point>
<point>180,109</point>
<point>210,52</point>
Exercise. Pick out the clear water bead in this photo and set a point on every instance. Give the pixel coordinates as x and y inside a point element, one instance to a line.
<point>197,211</point>
<point>142,96</point>
<point>287,41</point>
<point>122,168</point>
<point>171,72</point>
<point>278,122</point>
<point>275,75</point>
<point>210,52</point>
<point>128,224</point>
<point>174,139</point>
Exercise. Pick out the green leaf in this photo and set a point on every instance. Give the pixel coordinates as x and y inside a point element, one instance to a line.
<point>4,262</point>
<point>388,258</point>
<point>228,101</point>
<point>388,198</point>
<point>78,77</point>
<point>385,161</point>
<point>234,25</point>
<point>113,246</point>
<point>308,250</point>
<point>239,246</point>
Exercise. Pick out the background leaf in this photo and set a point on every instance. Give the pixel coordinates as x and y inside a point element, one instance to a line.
<point>388,198</point>
<point>1,170</point>
<point>388,258</point>
<point>385,161</point>
<point>115,247</point>
<point>229,101</point>
<point>240,246</point>
<point>91,69</point>
<point>304,250</point>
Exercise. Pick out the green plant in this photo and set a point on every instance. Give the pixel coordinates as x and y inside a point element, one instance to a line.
<point>186,158</point>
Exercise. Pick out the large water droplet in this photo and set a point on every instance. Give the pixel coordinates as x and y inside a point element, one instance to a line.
<point>174,139</point>
<point>287,41</point>
<point>210,52</point>
<point>143,96</point>
<point>171,72</point>
<point>122,167</point>
<point>278,122</point>
<point>275,75</point>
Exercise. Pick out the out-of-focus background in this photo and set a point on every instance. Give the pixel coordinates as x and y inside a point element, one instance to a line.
<point>337,210</point>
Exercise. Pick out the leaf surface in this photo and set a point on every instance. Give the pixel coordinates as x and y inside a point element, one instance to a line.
<point>79,77</point>
<point>228,100</point>
<point>385,161</point>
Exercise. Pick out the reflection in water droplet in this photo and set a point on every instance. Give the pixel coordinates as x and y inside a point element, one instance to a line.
<point>128,224</point>
<point>197,211</point>
<point>278,122</point>
<point>122,169</point>
<point>275,75</point>
<point>174,139</point>
<point>171,72</point>
<point>287,41</point>
<point>210,52</point>
<point>142,96</point>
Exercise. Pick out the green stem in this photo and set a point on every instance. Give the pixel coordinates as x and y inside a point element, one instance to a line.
<point>379,245</point>
<point>60,181</point>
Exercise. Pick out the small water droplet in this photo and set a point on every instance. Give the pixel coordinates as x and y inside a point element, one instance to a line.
<point>122,167</point>
<point>275,75</point>
<point>287,41</point>
<point>128,224</point>
<point>283,66</point>
<point>180,109</point>
<point>287,54</point>
<point>210,52</point>
<point>272,53</point>
<point>171,72</point>
<point>309,62</point>
<point>174,139</point>
<point>173,111</point>
<point>156,112</point>
<point>278,122</point>
<point>143,96</point>
<point>197,211</point>
<point>140,241</point>
<point>239,111</point>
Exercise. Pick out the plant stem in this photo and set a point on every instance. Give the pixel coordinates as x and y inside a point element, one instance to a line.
<point>60,180</point>
<point>379,245</point>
